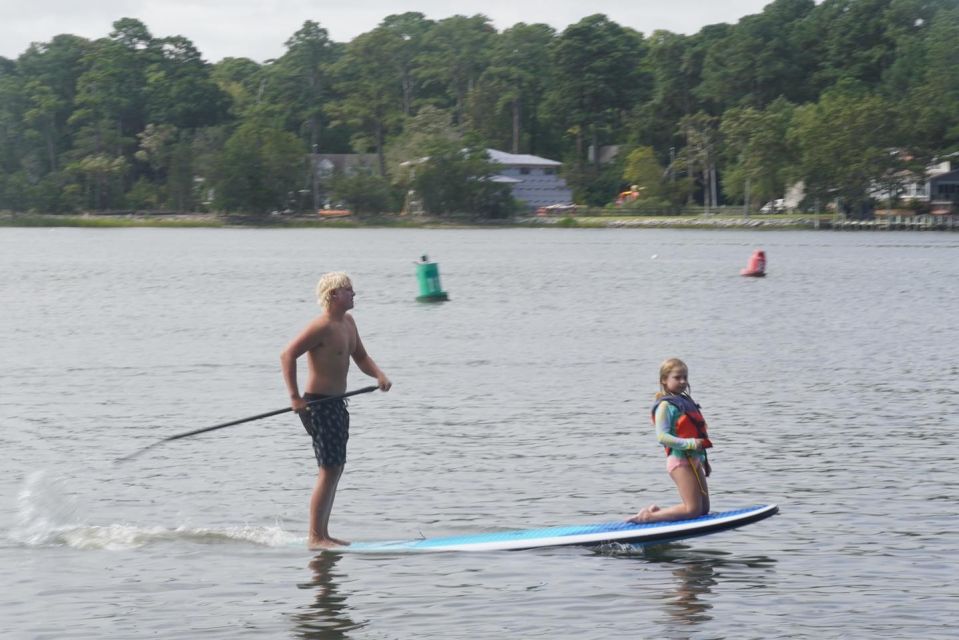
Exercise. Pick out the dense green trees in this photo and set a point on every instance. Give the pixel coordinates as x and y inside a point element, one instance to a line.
<point>757,152</point>
<point>260,169</point>
<point>841,95</point>
<point>846,144</point>
<point>509,95</point>
<point>369,98</point>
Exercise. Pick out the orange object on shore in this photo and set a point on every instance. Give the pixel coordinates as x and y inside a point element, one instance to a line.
<point>757,265</point>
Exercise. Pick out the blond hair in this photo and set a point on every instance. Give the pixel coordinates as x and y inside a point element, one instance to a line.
<point>328,283</point>
<point>669,365</point>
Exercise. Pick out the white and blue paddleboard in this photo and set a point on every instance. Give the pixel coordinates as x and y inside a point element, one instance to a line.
<point>582,535</point>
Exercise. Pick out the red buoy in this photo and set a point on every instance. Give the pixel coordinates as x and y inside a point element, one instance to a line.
<point>757,265</point>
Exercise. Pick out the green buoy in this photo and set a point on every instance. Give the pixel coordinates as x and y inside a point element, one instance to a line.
<point>428,276</point>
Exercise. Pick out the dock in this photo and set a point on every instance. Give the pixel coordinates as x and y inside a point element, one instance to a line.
<point>895,223</point>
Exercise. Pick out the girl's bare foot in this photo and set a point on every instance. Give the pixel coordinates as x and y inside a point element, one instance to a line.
<point>644,514</point>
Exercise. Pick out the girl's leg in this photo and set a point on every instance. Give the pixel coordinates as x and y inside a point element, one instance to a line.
<point>695,498</point>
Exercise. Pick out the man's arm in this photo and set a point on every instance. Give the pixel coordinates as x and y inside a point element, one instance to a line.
<point>367,366</point>
<point>307,339</point>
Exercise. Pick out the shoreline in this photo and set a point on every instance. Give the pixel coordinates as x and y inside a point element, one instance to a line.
<point>711,221</point>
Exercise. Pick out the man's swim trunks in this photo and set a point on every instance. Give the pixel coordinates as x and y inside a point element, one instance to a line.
<point>328,423</point>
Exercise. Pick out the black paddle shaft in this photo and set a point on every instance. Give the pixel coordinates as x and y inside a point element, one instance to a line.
<point>250,419</point>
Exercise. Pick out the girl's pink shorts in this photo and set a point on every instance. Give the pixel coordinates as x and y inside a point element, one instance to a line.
<point>672,462</point>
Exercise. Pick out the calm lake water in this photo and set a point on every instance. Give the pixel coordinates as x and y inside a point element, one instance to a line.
<point>831,388</point>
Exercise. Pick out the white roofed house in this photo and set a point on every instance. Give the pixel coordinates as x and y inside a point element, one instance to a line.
<point>944,192</point>
<point>912,187</point>
<point>535,181</point>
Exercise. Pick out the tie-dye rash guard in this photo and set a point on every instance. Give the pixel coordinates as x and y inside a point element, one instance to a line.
<point>665,418</point>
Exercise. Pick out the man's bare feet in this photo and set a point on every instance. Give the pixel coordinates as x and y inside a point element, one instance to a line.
<point>326,543</point>
<point>644,514</point>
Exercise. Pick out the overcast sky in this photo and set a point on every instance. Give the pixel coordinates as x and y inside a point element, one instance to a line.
<point>257,29</point>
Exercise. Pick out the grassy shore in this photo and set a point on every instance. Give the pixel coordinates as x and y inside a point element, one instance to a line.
<point>206,220</point>
<point>706,221</point>
<point>8,219</point>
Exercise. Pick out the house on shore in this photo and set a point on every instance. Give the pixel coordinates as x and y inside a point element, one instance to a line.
<point>325,165</point>
<point>944,192</point>
<point>535,181</point>
<point>915,188</point>
<point>936,192</point>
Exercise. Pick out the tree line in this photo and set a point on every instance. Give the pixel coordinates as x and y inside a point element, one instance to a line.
<point>843,96</point>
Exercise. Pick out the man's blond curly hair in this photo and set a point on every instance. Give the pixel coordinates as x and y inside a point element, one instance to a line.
<point>328,282</point>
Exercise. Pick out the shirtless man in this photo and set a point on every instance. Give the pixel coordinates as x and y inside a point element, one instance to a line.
<point>329,341</point>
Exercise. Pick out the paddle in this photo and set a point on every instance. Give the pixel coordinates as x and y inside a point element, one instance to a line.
<point>242,420</point>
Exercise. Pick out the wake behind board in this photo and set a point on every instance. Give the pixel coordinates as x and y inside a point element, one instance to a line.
<point>581,535</point>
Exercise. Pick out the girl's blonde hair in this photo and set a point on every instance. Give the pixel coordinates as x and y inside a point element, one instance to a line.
<point>668,366</point>
<point>328,282</point>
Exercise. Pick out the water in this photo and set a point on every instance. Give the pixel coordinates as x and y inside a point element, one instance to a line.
<point>831,388</point>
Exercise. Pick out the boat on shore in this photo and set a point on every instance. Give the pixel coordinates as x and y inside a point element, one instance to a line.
<point>334,213</point>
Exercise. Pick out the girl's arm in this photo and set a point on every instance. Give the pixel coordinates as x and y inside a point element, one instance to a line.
<point>666,417</point>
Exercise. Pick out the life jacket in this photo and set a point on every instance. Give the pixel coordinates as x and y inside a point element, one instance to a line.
<point>690,424</point>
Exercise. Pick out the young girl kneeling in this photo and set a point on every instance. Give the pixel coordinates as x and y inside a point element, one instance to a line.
<point>681,429</point>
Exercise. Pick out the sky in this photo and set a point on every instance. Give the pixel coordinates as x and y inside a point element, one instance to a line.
<point>257,29</point>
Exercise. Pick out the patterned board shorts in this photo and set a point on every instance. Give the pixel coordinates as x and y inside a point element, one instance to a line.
<point>328,423</point>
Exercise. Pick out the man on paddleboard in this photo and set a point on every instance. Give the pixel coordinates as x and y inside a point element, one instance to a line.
<point>329,341</point>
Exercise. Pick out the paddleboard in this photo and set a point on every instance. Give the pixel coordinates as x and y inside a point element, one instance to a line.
<point>580,535</point>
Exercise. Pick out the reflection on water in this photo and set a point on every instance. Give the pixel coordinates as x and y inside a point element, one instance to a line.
<point>690,603</point>
<point>327,616</point>
<point>697,573</point>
